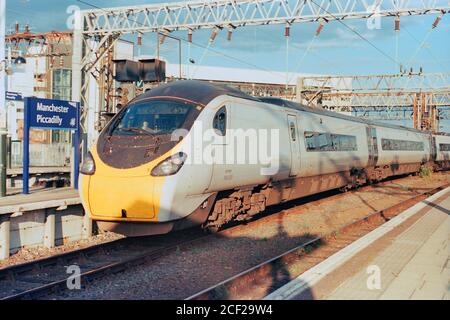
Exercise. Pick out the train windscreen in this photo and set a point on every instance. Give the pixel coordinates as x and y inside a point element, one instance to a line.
<point>154,118</point>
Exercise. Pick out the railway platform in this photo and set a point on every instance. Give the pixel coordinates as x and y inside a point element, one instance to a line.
<point>47,217</point>
<point>406,258</point>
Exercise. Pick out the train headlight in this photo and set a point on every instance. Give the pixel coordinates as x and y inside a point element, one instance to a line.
<point>170,166</point>
<point>88,165</point>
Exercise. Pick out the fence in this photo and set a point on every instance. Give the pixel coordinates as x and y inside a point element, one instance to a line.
<point>42,155</point>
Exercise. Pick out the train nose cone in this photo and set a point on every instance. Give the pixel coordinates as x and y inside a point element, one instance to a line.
<point>123,198</point>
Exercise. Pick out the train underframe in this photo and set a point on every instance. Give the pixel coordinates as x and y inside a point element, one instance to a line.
<point>245,203</point>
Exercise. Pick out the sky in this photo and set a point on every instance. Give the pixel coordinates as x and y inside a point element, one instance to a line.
<point>337,50</point>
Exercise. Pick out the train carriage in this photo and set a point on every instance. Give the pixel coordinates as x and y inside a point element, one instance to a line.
<point>193,153</point>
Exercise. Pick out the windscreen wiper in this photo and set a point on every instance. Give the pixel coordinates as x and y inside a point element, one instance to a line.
<point>136,130</point>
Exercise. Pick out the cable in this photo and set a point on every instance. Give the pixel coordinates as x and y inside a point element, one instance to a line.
<point>358,34</point>
<point>194,43</point>
<point>415,39</point>
<point>303,57</point>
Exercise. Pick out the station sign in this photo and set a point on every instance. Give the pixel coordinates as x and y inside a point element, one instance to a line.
<point>52,114</point>
<point>13,96</point>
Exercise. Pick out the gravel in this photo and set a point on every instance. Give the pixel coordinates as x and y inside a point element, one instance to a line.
<point>191,269</point>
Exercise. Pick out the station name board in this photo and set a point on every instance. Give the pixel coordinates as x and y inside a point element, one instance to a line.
<point>13,96</point>
<point>52,114</point>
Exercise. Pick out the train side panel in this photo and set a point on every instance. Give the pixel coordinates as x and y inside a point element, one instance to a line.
<point>317,162</point>
<point>397,146</point>
<point>442,148</point>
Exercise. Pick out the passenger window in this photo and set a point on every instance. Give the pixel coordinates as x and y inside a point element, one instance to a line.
<point>220,121</point>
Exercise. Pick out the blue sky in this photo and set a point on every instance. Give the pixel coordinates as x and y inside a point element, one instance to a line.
<point>336,51</point>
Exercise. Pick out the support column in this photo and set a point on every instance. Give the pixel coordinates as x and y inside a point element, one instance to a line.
<point>87,226</point>
<point>49,230</point>
<point>3,110</point>
<point>300,88</point>
<point>415,113</point>
<point>5,234</point>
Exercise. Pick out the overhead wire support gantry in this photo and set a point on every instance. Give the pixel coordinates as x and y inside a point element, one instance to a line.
<point>97,30</point>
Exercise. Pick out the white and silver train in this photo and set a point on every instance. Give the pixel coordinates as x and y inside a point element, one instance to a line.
<point>140,180</point>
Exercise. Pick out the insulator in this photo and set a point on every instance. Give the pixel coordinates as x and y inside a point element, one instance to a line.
<point>229,35</point>
<point>61,61</point>
<point>287,30</point>
<point>190,36</point>
<point>436,21</point>
<point>27,28</point>
<point>139,40</point>
<point>319,29</point>
<point>213,36</point>
<point>17,27</point>
<point>397,23</point>
<point>163,38</point>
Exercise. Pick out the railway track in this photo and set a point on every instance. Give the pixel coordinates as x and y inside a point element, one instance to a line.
<point>44,276</point>
<point>49,275</point>
<point>265,278</point>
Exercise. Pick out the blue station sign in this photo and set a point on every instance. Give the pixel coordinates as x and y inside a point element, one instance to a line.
<point>13,96</point>
<point>52,114</point>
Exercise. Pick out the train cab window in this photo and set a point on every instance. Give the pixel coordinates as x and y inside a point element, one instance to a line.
<point>220,121</point>
<point>154,118</point>
<point>323,141</point>
<point>444,147</point>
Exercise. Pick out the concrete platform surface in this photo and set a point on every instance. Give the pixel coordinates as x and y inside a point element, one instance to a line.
<point>39,200</point>
<point>411,261</point>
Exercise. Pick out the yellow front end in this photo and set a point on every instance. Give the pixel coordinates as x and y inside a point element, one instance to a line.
<point>131,195</point>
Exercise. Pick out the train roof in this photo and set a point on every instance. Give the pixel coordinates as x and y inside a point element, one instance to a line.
<point>202,93</point>
<point>297,106</point>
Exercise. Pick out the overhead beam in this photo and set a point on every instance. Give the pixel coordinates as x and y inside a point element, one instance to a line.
<point>192,15</point>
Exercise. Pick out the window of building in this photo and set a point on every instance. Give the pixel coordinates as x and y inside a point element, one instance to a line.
<point>401,145</point>
<point>322,141</point>
<point>220,121</point>
<point>61,90</point>
<point>62,84</point>
<point>444,146</point>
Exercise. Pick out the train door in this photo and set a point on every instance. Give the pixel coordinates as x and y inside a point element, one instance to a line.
<point>295,146</point>
<point>373,146</point>
<point>222,174</point>
<point>433,149</point>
